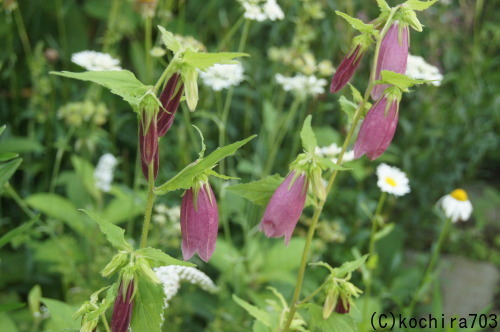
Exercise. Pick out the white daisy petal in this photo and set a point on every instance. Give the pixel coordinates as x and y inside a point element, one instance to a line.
<point>456,205</point>
<point>392,180</point>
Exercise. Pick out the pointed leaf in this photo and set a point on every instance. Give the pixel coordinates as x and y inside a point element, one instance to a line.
<point>147,314</point>
<point>418,5</point>
<point>113,233</point>
<point>156,257</point>
<point>203,61</point>
<point>307,135</point>
<point>169,40</point>
<point>348,107</point>
<point>7,170</point>
<point>357,23</point>
<point>259,314</point>
<point>347,267</point>
<point>328,163</point>
<point>258,192</point>
<point>6,156</point>
<point>184,179</point>
<point>120,82</point>
<point>384,7</point>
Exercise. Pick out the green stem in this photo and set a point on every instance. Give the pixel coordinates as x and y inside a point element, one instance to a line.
<point>278,139</point>
<point>59,155</point>
<point>19,201</point>
<point>147,46</point>
<point>165,73</point>
<point>371,252</point>
<point>319,208</point>
<point>105,322</point>
<point>149,205</point>
<point>313,294</point>
<point>430,267</point>
<point>108,37</point>
<point>23,35</point>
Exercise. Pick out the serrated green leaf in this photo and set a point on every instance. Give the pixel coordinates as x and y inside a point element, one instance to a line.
<point>220,176</point>
<point>156,257</point>
<point>356,23</point>
<point>184,179</point>
<point>418,5</point>
<point>347,267</point>
<point>60,208</point>
<point>148,309</point>
<point>203,61</point>
<point>169,40</point>
<point>307,135</point>
<point>259,314</point>
<point>7,170</point>
<point>384,7</point>
<point>114,234</point>
<point>348,107</point>
<point>6,238</point>
<point>258,192</point>
<point>401,81</point>
<point>356,95</point>
<point>120,82</point>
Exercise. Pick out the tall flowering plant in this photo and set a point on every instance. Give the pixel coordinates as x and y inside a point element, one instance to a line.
<point>137,296</point>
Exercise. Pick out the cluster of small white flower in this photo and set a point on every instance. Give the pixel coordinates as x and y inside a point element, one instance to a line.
<point>220,77</point>
<point>261,10</point>
<point>302,85</point>
<point>392,180</point>
<point>96,61</point>
<point>332,151</point>
<point>162,212</point>
<point>419,69</point>
<point>172,275</point>
<point>103,173</point>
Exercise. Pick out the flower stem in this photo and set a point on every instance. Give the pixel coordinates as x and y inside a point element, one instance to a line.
<point>430,267</point>
<point>149,205</point>
<point>371,251</point>
<point>319,208</point>
<point>105,322</point>
<point>147,46</point>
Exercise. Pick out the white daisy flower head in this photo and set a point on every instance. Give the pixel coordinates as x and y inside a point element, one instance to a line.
<point>95,61</point>
<point>223,76</point>
<point>418,68</point>
<point>456,205</point>
<point>392,180</point>
<point>302,85</point>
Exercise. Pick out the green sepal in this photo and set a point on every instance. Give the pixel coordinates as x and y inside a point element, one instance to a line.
<point>309,142</point>
<point>203,146</point>
<point>156,257</point>
<point>190,79</point>
<point>185,178</point>
<point>400,81</point>
<point>345,269</point>
<point>326,163</point>
<point>117,262</point>
<point>202,60</point>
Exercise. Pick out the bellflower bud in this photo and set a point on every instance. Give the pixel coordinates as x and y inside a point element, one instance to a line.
<point>393,55</point>
<point>148,133</point>
<point>350,63</point>
<point>170,102</point>
<point>285,207</point>
<point>343,305</point>
<point>379,126</point>
<point>199,221</point>
<point>122,310</point>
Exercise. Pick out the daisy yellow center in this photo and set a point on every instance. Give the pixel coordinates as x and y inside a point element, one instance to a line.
<point>459,195</point>
<point>390,181</point>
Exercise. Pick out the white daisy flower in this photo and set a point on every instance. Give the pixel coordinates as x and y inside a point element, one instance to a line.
<point>222,76</point>
<point>392,180</point>
<point>96,61</point>
<point>456,205</point>
<point>417,68</point>
<point>302,85</point>
<point>103,173</point>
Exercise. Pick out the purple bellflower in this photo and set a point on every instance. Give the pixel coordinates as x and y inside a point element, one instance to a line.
<point>378,127</point>
<point>347,68</point>
<point>170,98</point>
<point>285,207</point>
<point>393,55</point>
<point>199,221</point>
<point>122,310</point>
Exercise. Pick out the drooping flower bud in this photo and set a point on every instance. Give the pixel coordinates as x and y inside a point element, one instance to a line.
<point>122,310</point>
<point>199,221</point>
<point>393,55</point>
<point>343,305</point>
<point>350,63</point>
<point>379,126</point>
<point>285,207</point>
<point>170,98</point>
<point>330,302</point>
<point>148,133</point>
